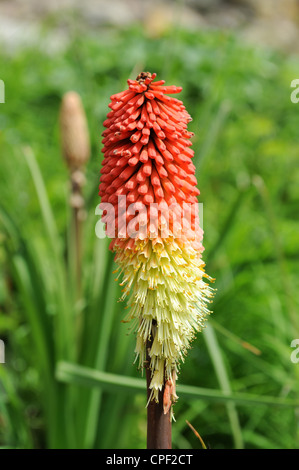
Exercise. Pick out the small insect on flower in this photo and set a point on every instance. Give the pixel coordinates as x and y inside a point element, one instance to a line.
<point>148,180</point>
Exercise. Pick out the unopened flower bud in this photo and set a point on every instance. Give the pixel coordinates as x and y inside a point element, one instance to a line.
<point>74,131</point>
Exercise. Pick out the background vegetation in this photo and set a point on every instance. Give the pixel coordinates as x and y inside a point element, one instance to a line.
<point>69,378</point>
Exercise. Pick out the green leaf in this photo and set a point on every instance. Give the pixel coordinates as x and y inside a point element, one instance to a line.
<point>73,373</point>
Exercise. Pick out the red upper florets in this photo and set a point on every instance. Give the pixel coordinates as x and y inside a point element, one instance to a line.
<point>147,155</point>
<point>146,143</point>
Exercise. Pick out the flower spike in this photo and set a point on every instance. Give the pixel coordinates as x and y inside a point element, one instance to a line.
<point>149,199</point>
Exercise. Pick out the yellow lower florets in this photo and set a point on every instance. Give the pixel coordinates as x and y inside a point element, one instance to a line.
<point>168,302</point>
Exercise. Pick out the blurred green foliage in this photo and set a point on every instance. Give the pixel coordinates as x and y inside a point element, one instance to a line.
<point>246,153</point>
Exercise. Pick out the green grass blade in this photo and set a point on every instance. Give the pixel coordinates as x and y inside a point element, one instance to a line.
<point>223,379</point>
<point>73,373</point>
<point>46,210</point>
<point>65,320</point>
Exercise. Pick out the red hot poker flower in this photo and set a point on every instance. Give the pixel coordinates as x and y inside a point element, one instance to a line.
<point>149,197</point>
